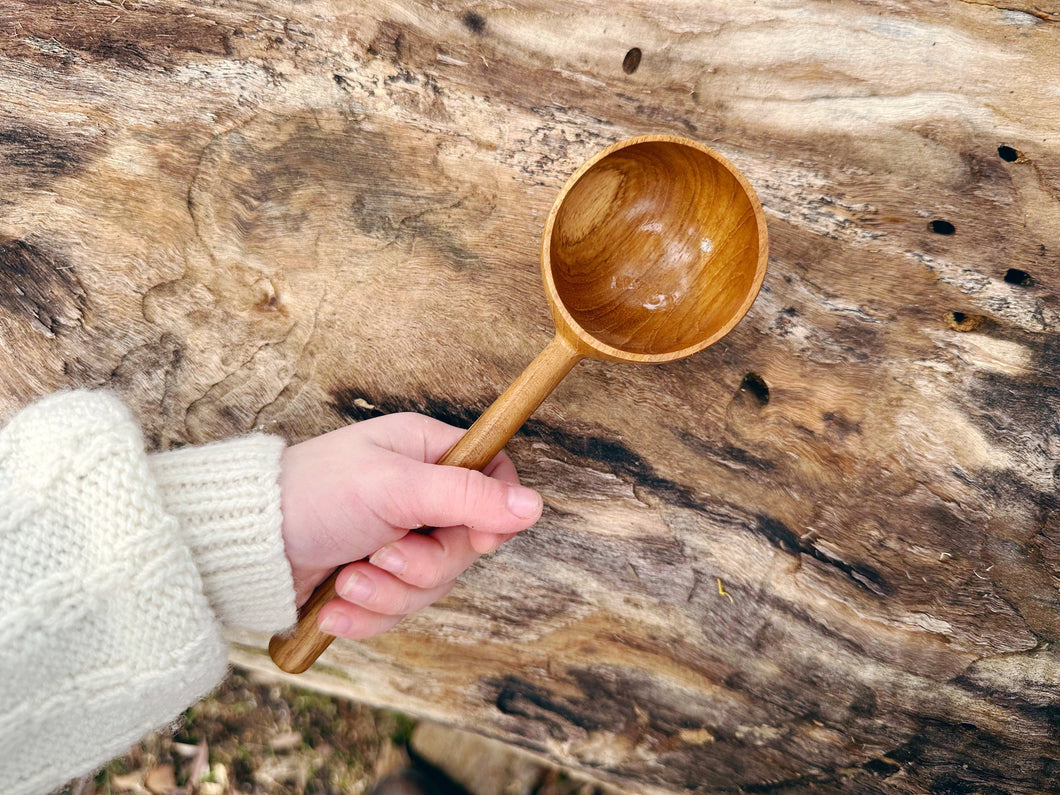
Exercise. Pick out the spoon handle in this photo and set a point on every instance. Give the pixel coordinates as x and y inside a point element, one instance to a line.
<point>506,415</point>
<point>295,652</point>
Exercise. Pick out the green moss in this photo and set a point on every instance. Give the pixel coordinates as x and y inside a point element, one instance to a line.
<point>402,731</point>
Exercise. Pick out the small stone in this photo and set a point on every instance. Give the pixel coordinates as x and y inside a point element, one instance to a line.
<point>219,774</point>
<point>287,741</point>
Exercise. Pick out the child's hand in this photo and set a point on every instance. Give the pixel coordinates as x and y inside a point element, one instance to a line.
<point>356,492</point>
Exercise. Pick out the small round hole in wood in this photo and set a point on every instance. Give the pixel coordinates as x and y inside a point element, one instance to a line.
<point>964,321</point>
<point>1008,154</point>
<point>631,61</point>
<point>1019,278</point>
<point>756,386</point>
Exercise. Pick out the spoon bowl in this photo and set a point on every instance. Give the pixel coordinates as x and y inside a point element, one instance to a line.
<point>654,249</point>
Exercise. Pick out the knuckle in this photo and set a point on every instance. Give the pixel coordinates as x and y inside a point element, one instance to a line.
<point>478,498</point>
<point>427,578</point>
<point>365,626</point>
<point>380,625</point>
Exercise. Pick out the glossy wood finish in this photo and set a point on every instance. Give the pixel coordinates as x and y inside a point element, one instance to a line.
<point>295,652</point>
<point>654,249</point>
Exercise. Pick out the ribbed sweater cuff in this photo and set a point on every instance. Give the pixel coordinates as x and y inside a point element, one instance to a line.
<point>226,498</point>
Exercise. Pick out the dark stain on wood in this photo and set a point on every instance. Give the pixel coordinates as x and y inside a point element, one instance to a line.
<point>517,696</point>
<point>285,160</point>
<point>474,22</point>
<point>1019,412</point>
<point>951,756</point>
<point>147,37</point>
<point>589,449</point>
<point>1045,715</point>
<point>864,703</point>
<point>585,447</point>
<point>389,41</point>
<point>777,533</point>
<point>39,287</point>
<point>1013,404</point>
<point>618,701</point>
<point>725,453</point>
<point>350,402</point>
<point>38,155</point>
<point>524,605</point>
<point>866,577</point>
<point>110,47</point>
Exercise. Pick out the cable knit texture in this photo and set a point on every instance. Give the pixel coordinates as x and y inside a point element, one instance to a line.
<point>118,570</point>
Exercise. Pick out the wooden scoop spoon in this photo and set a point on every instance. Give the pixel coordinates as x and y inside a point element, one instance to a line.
<point>654,249</point>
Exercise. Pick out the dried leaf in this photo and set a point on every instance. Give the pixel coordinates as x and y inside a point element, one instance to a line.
<point>161,780</point>
<point>200,763</point>
<point>185,750</point>
<point>128,782</point>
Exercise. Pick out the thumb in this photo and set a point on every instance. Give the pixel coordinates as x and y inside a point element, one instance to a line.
<point>446,496</point>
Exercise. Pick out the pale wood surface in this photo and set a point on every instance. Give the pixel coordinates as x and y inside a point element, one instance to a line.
<point>822,554</point>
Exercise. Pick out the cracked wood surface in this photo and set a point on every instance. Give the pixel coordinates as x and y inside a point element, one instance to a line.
<point>822,555</point>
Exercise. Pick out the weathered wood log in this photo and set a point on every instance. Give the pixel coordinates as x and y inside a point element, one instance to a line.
<point>659,267</point>
<point>821,555</point>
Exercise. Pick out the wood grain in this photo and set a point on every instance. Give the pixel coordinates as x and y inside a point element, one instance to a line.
<point>654,249</point>
<point>820,555</point>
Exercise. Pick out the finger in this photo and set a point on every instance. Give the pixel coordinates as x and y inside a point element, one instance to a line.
<point>376,590</point>
<point>412,435</point>
<point>502,468</point>
<point>426,439</point>
<point>306,581</point>
<point>427,561</point>
<point>447,496</point>
<point>484,543</point>
<point>344,620</point>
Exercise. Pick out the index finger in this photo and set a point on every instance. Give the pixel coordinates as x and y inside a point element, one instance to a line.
<point>426,439</point>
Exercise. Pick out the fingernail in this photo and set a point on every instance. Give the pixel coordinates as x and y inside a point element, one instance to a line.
<point>523,502</point>
<point>388,559</point>
<point>335,624</point>
<point>495,544</point>
<point>358,588</point>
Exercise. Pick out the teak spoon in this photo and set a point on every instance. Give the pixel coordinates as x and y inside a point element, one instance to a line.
<point>654,249</point>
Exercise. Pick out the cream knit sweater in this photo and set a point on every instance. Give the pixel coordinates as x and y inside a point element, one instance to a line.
<point>117,570</point>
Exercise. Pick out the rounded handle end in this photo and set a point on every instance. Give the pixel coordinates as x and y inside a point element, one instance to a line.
<point>294,653</point>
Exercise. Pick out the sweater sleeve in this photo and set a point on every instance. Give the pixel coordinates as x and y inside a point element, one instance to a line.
<point>117,570</point>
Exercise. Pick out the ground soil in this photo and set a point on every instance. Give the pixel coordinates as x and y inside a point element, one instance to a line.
<point>263,738</point>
